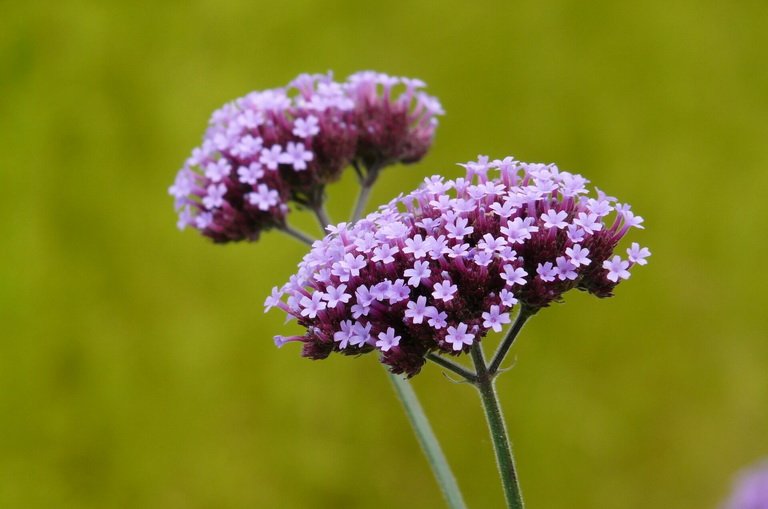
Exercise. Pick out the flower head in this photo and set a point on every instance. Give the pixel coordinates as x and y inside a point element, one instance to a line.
<point>396,120</point>
<point>270,147</point>
<point>437,269</point>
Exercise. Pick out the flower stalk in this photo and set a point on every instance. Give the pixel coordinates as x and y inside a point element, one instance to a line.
<point>297,234</point>
<point>428,442</point>
<point>501,445</point>
<point>506,343</point>
<point>425,435</point>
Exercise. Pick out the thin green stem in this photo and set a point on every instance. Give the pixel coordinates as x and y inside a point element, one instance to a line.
<point>296,234</point>
<point>428,442</point>
<point>452,366</point>
<point>506,343</point>
<point>362,200</point>
<point>501,445</point>
<point>322,217</point>
<point>366,184</point>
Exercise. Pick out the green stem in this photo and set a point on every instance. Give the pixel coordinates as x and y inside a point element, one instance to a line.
<point>297,234</point>
<point>322,217</point>
<point>428,442</point>
<point>362,199</point>
<point>501,445</point>
<point>452,366</point>
<point>366,184</point>
<point>498,357</point>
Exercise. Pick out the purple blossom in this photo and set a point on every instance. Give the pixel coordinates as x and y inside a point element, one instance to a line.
<point>495,319</point>
<point>546,271</point>
<point>750,490</point>
<point>312,305</point>
<point>385,254</point>
<point>417,310</point>
<point>418,273</point>
<point>514,275</point>
<point>638,255</point>
<point>215,196</point>
<point>398,291</point>
<point>250,174</point>
<point>296,155</point>
<point>294,140</point>
<point>617,269</point>
<point>343,336</point>
<point>387,340</point>
<point>361,334</point>
<point>271,157</point>
<point>216,171</point>
<point>264,198</point>
<point>336,294</point>
<point>436,318</point>
<point>416,246</point>
<point>459,337</point>
<point>554,219</point>
<point>458,229</point>
<point>442,266</point>
<point>565,269</point>
<point>578,255</point>
<point>306,127</point>
<point>444,290</point>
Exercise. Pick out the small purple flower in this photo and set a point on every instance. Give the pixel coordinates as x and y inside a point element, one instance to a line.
<point>638,255</point>
<point>418,273</point>
<point>751,489</point>
<point>306,127</point>
<point>617,269</point>
<point>578,255</point>
<point>546,271</point>
<point>495,319</point>
<point>444,290</point>
<point>336,294</point>
<point>387,340</point>
<point>417,310</point>
<point>271,157</point>
<point>458,337</point>
<point>565,269</point>
<point>215,196</point>
<point>554,219</point>
<point>296,155</point>
<point>263,198</point>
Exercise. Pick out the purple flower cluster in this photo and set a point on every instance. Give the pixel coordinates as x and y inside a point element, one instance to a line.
<point>435,270</point>
<point>274,146</point>
<point>751,490</point>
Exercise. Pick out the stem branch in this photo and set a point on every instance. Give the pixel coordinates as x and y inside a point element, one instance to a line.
<point>296,234</point>
<point>428,442</point>
<point>452,366</point>
<point>501,445</point>
<point>366,184</point>
<point>362,200</point>
<point>501,353</point>
<point>322,217</point>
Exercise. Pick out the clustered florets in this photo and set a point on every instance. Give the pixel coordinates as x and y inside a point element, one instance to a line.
<point>274,146</point>
<point>435,270</point>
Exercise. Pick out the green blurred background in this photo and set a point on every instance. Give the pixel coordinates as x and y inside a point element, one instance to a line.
<point>137,368</point>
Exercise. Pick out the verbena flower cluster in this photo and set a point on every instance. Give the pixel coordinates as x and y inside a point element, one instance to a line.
<point>269,147</point>
<point>435,270</point>
<point>751,490</point>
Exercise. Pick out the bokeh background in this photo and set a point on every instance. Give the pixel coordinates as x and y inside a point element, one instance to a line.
<point>137,368</point>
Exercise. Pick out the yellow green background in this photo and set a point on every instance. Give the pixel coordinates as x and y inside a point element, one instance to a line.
<point>138,371</point>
